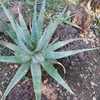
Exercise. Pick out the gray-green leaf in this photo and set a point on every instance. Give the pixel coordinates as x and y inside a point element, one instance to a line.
<point>64,54</point>
<point>54,74</point>
<point>36,78</point>
<point>18,76</point>
<point>9,59</point>
<point>60,44</point>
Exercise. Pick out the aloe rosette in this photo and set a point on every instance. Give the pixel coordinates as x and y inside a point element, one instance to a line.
<point>33,50</point>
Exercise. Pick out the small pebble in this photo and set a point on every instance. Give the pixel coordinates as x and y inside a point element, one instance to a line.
<point>94,98</point>
<point>6,74</point>
<point>1,93</point>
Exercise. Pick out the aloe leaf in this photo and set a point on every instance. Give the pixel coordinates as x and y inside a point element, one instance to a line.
<point>16,27</point>
<point>35,9</point>
<point>13,47</point>
<point>60,44</point>
<point>34,30</point>
<point>19,33</point>
<point>12,35</point>
<point>22,56</point>
<point>23,24</point>
<point>44,40</point>
<point>9,45</point>
<point>36,78</point>
<point>54,74</point>
<point>9,59</point>
<point>18,76</point>
<point>9,31</point>
<point>13,23</point>
<point>54,41</point>
<point>41,17</point>
<point>21,38</point>
<point>64,54</point>
<point>35,24</point>
<point>49,31</point>
<point>9,15</point>
<point>24,28</point>
<point>11,19</point>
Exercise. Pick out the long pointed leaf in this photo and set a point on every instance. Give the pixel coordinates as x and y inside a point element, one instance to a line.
<point>15,48</point>
<point>64,54</point>
<point>9,59</point>
<point>8,30</point>
<point>49,31</point>
<point>22,56</point>
<point>9,45</point>
<point>9,15</point>
<point>34,24</point>
<point>51,28</point>
<point>41,17</point>
<point>24,28</point>
<point>12,35</point>
<point>36,78</point>
<point>18,76</point>
<point>60,44</point>
<point>13,22</point>
<point>23,24</point>
<point>16,28</point>
<point>54,74</point>
<point>21,38</point>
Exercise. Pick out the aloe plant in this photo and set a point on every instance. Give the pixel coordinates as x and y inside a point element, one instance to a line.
<point>33,50</point>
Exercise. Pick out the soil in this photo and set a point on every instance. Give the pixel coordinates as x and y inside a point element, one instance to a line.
<point>83,71</point>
